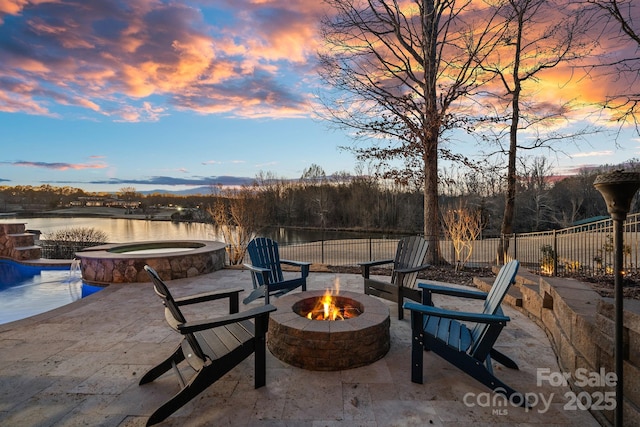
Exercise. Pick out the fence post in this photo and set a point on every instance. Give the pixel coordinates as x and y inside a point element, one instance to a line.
<point>322,251</point>
<point>370,249</point>
<point>555,253</point>
<point>515,246</point>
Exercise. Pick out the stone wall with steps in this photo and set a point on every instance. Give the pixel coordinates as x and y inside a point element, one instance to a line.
<point>580,325</point>
<point>17,244</point>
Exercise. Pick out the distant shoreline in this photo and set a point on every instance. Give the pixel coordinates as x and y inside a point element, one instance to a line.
<point>94,212</point>
<point>165,215</point>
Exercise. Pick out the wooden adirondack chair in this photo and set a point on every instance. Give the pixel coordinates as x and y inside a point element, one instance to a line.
<point>409,260</point>
<point>212,347</point>
<point>266,271</point>
<point>471,350</point>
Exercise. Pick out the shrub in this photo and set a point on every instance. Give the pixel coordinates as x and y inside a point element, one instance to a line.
<point>64,243</point>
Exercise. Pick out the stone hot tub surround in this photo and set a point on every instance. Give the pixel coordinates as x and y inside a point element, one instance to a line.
<point>124,263</point>
<point>328,345</point>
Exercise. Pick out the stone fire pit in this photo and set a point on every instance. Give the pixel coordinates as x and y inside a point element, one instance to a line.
<point>328,345</point>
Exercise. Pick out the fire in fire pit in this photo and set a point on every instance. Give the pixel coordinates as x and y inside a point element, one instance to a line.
<point>328,307</point>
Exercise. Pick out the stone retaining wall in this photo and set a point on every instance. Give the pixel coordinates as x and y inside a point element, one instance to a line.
<point>580,325</point>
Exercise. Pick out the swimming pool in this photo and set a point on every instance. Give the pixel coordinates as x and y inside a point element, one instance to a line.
<point>27,290</point>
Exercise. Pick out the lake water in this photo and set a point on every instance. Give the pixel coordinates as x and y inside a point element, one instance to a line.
<point>121,230</point>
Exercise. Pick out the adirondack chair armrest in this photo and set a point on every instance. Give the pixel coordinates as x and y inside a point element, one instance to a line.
<point>255,269</point>
<point>264,272</point>
<point>200,325</point>
<point>454,292</point>
<point>209,296</point>
<point>295,263</point>
<point>304,266</point>
<point>456,315</point>
<point>367,265</point>
<point>412,269</point>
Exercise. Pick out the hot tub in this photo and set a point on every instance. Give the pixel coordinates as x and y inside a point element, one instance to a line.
<point>124,263</point>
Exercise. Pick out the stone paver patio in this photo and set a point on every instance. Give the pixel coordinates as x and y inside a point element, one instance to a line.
<point>80,365</point>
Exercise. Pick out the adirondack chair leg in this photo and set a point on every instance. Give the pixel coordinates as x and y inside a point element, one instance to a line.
<point>503,359</point>
<point>260,362</point>
<point>400,304</point>
<point>197,384</point>
<point>478,371</point>
<point>255,294</point>
<point>417,346</point>
<point>162,367</point>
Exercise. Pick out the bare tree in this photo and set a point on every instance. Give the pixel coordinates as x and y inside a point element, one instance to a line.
<point>620,30</point>
<point>535,177</point>
<point>463,227</point>
<point>399,70</point>
<point>314,179</point>
<point>538,35</point>
<point>237,212</point>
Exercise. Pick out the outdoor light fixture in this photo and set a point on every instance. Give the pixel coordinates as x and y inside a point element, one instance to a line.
<point>618,188</point>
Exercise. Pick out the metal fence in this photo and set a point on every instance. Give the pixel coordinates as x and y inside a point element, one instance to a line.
<point>585,249</point>
<point>61,250</point>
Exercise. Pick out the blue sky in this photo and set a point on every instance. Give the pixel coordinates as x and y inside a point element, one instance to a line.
<point>155,94</point>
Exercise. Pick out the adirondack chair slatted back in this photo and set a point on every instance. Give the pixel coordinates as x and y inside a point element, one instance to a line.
<point>505,278</point>
<point>264,253</point>
<point>172,312</point>
<point>411,253</point>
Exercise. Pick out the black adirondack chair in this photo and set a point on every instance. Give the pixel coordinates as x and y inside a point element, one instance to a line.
<point>266,271</point>
<point>471,350</point>
<point>409,260</point>
<point>212,347</point>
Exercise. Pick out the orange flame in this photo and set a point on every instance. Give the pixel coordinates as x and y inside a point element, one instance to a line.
<point>326,308</point>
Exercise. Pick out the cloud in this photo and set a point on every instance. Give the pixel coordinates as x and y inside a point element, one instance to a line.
<point>171,181</point>
<point>604,153</point>
<point>139,60</point>
<point>217,162</point>
<point>57,165</point>
<point>134,61</point>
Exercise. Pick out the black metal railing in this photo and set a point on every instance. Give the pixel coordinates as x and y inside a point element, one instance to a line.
<point>63,249</point>
<point>585,249</point>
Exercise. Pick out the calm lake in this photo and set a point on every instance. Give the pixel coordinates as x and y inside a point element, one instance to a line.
<point>129,230</point>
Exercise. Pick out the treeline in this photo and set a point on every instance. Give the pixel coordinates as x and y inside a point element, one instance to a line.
<point>346,202</point>
<point>543,202</point>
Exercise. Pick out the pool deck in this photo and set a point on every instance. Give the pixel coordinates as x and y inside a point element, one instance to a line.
<point>80,365</point>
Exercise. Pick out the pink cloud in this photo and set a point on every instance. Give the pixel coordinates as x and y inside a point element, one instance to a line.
<point>57,165</point>
<point>111,57</point>
<point>138,60</point>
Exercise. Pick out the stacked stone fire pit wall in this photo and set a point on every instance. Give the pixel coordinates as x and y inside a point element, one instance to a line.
<point>322,345</point>
<point>579,323</point>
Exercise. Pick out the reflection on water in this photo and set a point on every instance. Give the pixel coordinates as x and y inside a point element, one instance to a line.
<point>126,230</point>
<point>120,230</point>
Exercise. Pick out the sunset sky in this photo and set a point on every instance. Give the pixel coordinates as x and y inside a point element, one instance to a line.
<point>154,94</point>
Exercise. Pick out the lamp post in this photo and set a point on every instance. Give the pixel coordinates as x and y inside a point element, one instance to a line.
<point>618,188</point>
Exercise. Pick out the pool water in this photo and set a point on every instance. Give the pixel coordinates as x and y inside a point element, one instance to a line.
<point>26,291</point>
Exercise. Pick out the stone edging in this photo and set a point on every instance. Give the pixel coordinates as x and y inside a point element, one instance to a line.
<point>579,323</point>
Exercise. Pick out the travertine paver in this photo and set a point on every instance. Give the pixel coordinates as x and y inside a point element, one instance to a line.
<point>80,365</point>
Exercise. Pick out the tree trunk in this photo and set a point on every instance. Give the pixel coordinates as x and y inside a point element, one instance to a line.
<point>431,210</point>
<point>510,199</point>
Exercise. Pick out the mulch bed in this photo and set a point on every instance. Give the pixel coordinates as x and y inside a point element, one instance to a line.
<point>443,273</point>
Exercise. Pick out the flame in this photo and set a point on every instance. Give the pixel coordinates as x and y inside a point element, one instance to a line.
<point>326,308</point>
